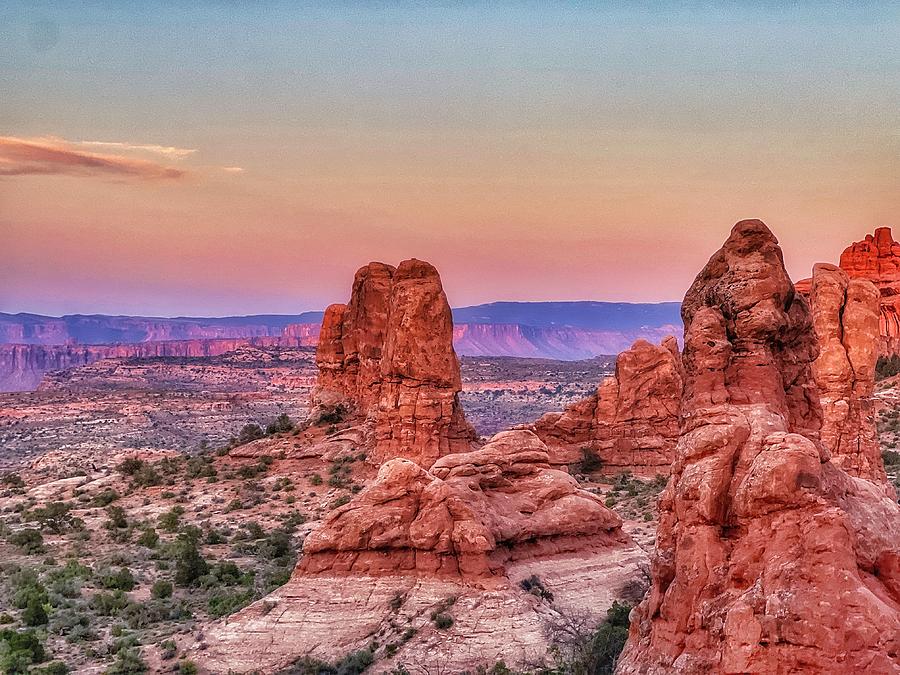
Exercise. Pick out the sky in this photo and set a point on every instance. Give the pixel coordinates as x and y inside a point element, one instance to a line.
<point>212,158</point>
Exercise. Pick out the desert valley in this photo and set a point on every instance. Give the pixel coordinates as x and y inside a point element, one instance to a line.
<point>449,338</point>
<point>355,497</point>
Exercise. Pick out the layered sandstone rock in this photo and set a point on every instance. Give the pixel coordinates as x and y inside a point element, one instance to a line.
<point>388,355</point>
<point>770,559</point>
<point>631,421</point>
<point>465,518</point>
<point>877,259</point>
<point>845,316</point>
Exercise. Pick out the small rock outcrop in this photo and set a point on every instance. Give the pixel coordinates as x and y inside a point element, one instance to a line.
<point>388,355</point>
<point>770,558</point>
<point>845,317</point>
<point>631,421</point>
<point>465,518</point>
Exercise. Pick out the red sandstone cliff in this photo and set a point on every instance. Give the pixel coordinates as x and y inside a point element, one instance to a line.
<point>770,558</point>
<point>631,421</point>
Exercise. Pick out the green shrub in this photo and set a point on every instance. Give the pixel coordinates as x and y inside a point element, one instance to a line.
<point>891,457</point>
<point>128,662</point>
<point>117,519</point>
<point>249,433</point>
<point>52,668</point>
<point>105,498</point>
<point>19,650</point>
<point>161,589</point>
<point>609,640</point>
<point>108,604</point>
<point>121,579</point>
<point>12,480</point>
<point>29,540</point>
<point>443,621</point>
<point>34,613</point>
<point>223,603</point>
<point>187,668</point>
<point>189,564</point>
<point>130,466</point>
<point>590,461</point>
<point>148,538</point>
<point>170,520</point>
<point>280,424</point>
<point>56,517</point>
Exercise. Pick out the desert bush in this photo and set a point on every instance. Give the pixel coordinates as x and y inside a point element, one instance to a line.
<point>891,457</point>
<point>105,498</point>
<point>55,517</point>
<point>29,540</point>
<point>121,579</point>
<point>161,589</point>
<point>187,668</point>
<point>590,461</point>
<point>887,366</point>
<point>117,519</point>
<point>13,480</point>
<point>171,519</point>
<point>280,424</point>
<point>535,586</point>
<point>249,433</point>
<point>128,662</point>
<point>149,538</point>
<point>223,603</point>
<point>130,466</point>
<point>108,604</point>
<point>189,564</point>
<point>19,650</point>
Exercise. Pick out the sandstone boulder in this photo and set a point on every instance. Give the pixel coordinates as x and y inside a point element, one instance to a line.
<point>770,558</point>
<point>465,518</point>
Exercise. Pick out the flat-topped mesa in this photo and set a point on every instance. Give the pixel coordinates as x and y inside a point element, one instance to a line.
<point>388,356</point>
<point>464,519</point>
<point>845,317</point>
<point>631,421</point>
<point>769,557</point>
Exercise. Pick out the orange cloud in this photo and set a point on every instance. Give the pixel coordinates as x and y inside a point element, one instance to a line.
<point>56,156</point>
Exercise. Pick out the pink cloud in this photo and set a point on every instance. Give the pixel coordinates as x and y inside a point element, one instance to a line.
<point>56,156</point>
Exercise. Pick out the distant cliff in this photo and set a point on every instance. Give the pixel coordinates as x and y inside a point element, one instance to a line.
<point>100,329</point>
<point>31,344</point>
<point>23,366</point>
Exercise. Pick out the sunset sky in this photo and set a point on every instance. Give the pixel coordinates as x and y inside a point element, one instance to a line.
<point>162,159</point>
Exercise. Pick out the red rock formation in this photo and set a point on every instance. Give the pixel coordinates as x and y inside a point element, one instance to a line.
<point>845,316</point>
<point>631,422</point>
<point>770,559</point>
<point>389,355</point>
<point>465,518</point>
<point>877,259</point>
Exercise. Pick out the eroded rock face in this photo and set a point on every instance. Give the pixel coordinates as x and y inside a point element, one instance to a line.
<point>877,259</point>
<point>845,315</point>
<point>388,355</point>
<point>631,421</point>
<point>465,518</point>
<point>769,557</point>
